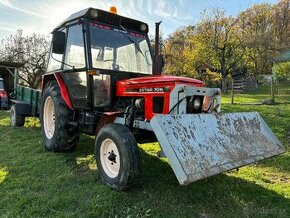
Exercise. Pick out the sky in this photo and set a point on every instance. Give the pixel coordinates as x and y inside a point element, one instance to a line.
<point>41,16</point>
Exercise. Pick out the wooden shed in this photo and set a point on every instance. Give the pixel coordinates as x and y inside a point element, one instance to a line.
<point>8,70</point>
<point>201,69</point>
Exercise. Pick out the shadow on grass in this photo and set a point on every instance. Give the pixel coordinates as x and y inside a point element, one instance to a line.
<point>157,192</point>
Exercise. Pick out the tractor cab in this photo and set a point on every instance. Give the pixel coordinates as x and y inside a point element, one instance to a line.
<point>93,49</point>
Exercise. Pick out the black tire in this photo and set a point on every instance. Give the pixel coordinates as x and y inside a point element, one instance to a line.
<point>16,119</point>
<point>65,136</point>
<point>126,144</point>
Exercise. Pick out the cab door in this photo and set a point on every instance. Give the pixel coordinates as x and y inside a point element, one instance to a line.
<point>74,67</point>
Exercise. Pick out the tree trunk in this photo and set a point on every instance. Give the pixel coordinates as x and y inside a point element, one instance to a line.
<point>224,84</point>
<point>224,71</point>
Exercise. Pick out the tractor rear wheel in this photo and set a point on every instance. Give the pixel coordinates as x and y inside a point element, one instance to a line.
<point>55,116</point>
<point>16,119</point>
<point>117,156</point>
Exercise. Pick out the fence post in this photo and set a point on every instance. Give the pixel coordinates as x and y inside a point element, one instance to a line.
<point>232,92</point>
<point>272,89</point>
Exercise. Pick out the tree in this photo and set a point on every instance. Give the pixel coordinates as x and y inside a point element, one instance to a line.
<point>213,40</point>
<point>174,57</point>
<point>247,44</point>
<point>218,36</point>
<point>281,23</point>
<point>282,71</point>
<point>259,47</point>
<point>30,51</point>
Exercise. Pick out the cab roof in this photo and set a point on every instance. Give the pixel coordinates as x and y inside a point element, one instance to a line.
<point>104,17</point>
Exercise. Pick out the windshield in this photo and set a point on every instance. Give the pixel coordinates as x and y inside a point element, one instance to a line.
<point>117,49</point>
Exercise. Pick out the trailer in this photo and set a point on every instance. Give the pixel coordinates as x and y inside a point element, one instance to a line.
<point>101,81</point>
<point>26,103</point>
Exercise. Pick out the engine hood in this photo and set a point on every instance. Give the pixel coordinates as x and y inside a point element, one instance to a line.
<point>153,84</point>
<point>161,79</point>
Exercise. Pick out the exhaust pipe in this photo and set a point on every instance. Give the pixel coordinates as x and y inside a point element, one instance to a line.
<point>158,60</point>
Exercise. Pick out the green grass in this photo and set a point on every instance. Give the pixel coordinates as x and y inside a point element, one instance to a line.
<point>262,93</point>
<point>36,183</point>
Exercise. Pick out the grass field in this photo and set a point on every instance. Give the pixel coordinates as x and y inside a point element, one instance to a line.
<point>36,183</point>
<point>262,94</point>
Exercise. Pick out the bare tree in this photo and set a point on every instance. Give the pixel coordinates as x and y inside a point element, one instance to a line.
<point>30,51</point>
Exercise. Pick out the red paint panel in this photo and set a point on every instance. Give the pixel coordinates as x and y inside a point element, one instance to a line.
<point>107,117</point>
<point>63,91</point>
<point>161,79</point>
<point>131,88</point>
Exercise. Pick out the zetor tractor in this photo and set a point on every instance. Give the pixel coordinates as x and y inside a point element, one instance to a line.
<point>101,81</point>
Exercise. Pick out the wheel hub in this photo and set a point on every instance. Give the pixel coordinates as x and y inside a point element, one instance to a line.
<point>110,158</point>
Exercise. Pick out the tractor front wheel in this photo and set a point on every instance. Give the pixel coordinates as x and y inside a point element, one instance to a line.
<point>117,156</point>
<point>55,116</point>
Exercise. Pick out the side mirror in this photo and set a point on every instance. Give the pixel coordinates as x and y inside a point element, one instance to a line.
<point>58,42</point>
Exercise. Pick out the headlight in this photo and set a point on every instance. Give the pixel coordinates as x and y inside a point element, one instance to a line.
<point>139,103</point>
<point>94,14</point>
<point>143,27</point>
<point>197,103</point>
<point>194,104</point>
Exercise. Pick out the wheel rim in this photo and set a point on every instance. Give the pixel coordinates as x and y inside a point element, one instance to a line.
<point>49,117</point>
<point>110,158</point>
<point>12,117</point>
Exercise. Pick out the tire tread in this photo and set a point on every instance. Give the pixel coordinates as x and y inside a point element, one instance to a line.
<point>66,137</point>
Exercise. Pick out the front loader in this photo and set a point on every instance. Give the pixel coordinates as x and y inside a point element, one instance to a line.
<point>101,81</point>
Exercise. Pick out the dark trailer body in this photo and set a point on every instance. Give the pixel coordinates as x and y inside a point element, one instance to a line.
<point>8,70</point>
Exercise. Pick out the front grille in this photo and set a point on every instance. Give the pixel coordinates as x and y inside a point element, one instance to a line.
<point>158,103</point>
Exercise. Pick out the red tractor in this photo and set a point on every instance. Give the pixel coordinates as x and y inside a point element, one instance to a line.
<point>100,81</point>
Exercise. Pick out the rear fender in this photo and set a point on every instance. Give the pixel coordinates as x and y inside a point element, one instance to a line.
<point>63,90</point>
<point>22,108</point>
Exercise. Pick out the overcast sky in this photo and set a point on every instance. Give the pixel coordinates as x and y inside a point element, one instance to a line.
<point>41,16</point>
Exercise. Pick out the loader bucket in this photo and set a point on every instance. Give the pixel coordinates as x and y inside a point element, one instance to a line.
<point>202,145</point>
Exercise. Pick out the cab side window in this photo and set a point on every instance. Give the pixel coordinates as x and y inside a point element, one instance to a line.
<point>75,56</point>
<point>75,53</point>
<point>54,60</point>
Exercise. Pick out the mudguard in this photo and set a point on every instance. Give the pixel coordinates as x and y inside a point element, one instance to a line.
<point>22,108</point>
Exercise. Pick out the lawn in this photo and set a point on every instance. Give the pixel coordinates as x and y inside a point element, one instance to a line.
<point>262,94</point>
<point>36,183</point>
